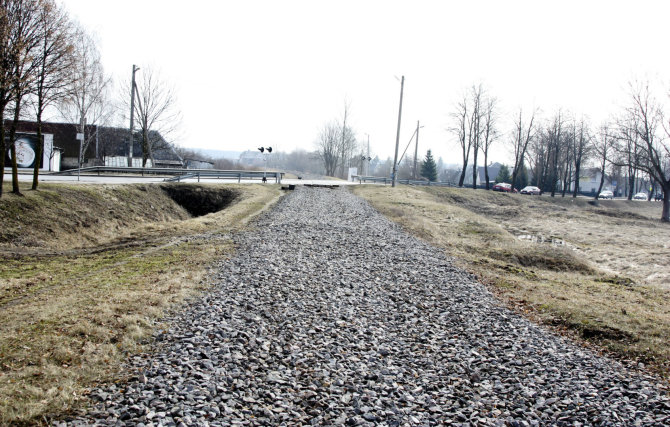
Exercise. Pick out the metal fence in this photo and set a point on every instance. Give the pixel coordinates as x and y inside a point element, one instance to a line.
<point>237,175</point>
<point>384,180</point>
<point>178,174</point>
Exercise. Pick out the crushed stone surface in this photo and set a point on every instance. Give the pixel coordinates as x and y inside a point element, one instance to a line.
<point>329,314</point>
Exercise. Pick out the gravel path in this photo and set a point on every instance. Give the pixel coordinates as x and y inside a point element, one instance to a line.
<point>330,314</point>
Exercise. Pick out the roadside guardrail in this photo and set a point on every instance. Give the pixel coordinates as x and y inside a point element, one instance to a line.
<point>385,180</point>
<point>238,175</point>
<point>179,174</point>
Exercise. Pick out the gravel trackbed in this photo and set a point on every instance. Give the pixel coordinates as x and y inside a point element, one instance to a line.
<point>330,314</point>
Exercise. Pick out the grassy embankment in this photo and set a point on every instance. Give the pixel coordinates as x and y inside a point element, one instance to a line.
<point>596,272</point>
<point>86,272</point>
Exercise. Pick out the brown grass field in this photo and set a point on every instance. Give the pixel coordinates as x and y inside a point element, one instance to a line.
<point>86,272</point>
<point>597,272</point>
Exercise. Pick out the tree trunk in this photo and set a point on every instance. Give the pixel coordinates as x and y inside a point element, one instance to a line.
<point>578,166</point>
<point>566,175</point>
<point>631,186</point>
<point>554,172</point>
<point>474,171</point>
<point>145,147</point>
<point>12,147</point>
<point>40,149</point>
<point>602,182</point>
<point>462,178</point>
<point>665,216</point>
<point>2,150</point>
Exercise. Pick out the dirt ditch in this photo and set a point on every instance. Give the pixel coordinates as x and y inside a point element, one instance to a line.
<point>198,200</point>
<point>69,219</point>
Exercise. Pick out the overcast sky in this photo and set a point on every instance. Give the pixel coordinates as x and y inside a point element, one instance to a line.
<point>272,73</point>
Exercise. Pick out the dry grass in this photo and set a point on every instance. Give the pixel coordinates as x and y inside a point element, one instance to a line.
<point>68,317</point>
<point>591,270</point>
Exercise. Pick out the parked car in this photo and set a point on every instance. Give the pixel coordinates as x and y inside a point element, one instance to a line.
<point>606,195</point>
<point>640,196</point>
<point>504,187</point>
<point>531,190</point>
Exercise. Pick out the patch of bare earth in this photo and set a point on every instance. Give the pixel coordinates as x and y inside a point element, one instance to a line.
<point>86,273</point>
<point>593,270</point>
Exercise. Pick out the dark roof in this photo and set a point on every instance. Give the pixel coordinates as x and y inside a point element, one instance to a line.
<point>109,141</point>
<point>64,134</point>
<point>493,169</point>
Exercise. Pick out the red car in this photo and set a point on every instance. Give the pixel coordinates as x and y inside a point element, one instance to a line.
<point>505,187</point>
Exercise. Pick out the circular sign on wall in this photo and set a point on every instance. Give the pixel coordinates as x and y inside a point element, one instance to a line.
<point>25,153</point>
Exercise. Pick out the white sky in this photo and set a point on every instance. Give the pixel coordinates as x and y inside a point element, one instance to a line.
<point>272,73</point>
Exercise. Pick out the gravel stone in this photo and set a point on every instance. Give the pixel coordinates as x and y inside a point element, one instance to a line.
<point>329,314</point>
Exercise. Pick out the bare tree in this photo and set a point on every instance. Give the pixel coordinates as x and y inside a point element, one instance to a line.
<point>566,160</point>
<point>336,145</point>
<point>602,145</point>
<point>8,10</point>
<point>475,128</point>
<point>461,129</point>
<point>347,141</point>
<point>555,132</point>
<point>490,134</point>
<point>86,101</point>
<point>23,32</point>
<point>523,134</point>
<point>653,130</point>
<point>581,150</point>
<point>327,146</point>
<point>54,71</point>
<point>626,152</point>
<point>155,112</point>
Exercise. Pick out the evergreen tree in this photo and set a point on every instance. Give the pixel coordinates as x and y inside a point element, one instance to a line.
<point>503,174</point>
<point>429,168</point>
<point>521,178</point>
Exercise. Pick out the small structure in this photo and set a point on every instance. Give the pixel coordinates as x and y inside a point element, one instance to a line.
<point>198,164</point>
<point>27,147</point>
<point>104,146</point>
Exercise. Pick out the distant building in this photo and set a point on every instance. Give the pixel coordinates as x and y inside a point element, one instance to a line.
<point>107,146</point>
<point>27,148</point>
<point>589,181</point>
<point>198,164</point>
<point>494,169</point>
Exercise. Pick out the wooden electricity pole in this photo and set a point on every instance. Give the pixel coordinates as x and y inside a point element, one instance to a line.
<point>397,137</point>
<point>132,116</point>
<point>416,149</point>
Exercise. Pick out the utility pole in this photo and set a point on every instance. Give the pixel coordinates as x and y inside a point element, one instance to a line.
<point>416,149</point>
<point>397,136</point>
<point>132,117</point>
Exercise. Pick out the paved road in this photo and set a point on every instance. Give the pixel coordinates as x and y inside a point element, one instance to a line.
<point>329,314</point>
<point>129,179</point>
